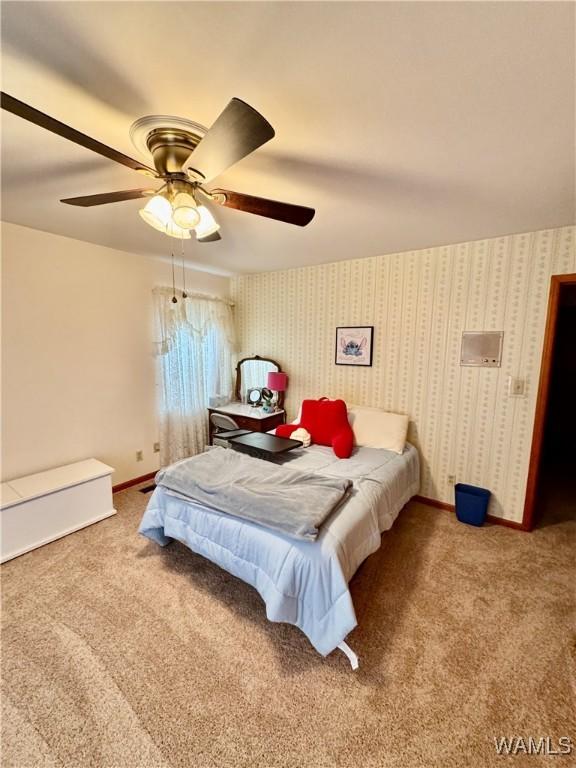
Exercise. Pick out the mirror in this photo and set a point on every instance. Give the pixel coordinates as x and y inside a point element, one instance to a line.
<point>254,395</point>
<point>252,373</point>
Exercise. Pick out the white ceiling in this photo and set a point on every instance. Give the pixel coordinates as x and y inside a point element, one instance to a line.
<point>406,125</point>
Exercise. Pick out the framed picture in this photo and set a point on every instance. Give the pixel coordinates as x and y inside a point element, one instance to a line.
<point>354,345</point>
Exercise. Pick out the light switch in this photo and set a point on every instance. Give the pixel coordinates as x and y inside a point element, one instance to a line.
<point>515,386</point>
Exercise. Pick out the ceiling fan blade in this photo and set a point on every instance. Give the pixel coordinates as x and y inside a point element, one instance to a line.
<point>238,130</point>
<point>272,209</point>
<point>19,108</point>
<point>108,197</point>
<point>210,238</point>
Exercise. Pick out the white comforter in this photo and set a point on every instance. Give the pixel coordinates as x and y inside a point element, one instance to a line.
<point>302,583</point>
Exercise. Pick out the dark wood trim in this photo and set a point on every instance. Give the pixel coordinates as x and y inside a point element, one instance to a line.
<point>435,503</point>
<point>556,283</point>
<point>506,523</point>
<point>450,508</point>
<point>134,481</point>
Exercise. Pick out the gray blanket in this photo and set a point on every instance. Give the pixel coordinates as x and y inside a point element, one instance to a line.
<point>290,501</point>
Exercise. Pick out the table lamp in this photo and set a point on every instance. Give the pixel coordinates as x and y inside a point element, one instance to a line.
<point>277,382</point>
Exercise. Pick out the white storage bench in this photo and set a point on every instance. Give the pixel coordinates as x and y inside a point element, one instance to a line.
<point>37,509</point>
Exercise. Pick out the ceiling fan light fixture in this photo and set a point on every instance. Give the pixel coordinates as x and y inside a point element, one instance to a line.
<point>173,230</point>
<point>185,154</point>
<point>207,225</point>
<point>157,212</point>
<point>184,211</point>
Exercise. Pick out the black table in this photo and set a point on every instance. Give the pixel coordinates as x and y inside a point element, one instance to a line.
<point>262,445</point>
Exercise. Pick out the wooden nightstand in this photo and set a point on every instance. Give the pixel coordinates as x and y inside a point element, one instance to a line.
<point>247,417</point>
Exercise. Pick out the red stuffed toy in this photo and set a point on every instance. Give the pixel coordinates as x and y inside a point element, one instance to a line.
<point>327,422</point>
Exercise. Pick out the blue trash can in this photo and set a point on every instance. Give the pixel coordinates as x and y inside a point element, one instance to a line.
<point>471,503</point>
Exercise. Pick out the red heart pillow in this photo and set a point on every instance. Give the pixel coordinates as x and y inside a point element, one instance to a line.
<point>327,422</point>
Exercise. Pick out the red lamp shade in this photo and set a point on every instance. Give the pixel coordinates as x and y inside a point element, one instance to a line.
<point>277,381</point>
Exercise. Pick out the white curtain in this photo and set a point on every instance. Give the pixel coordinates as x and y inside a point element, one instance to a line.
<point>195,343</point>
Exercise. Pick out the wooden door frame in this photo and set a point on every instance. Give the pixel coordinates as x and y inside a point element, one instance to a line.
<point>556,283</point>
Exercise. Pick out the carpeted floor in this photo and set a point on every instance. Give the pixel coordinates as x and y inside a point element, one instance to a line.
<point>117,653</point>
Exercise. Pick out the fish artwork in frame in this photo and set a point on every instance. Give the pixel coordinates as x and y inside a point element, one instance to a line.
<point>354,345</point>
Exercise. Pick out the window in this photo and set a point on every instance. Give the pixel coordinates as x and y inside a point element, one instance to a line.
<point>195,358</point>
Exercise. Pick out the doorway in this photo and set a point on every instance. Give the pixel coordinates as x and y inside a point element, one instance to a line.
<point>551,486</point>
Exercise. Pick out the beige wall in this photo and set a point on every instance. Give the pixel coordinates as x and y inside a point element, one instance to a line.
<point>464,422</point>
<point>78,374</point>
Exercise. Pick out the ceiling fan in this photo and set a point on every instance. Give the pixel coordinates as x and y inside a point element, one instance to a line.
<point>185,156</point>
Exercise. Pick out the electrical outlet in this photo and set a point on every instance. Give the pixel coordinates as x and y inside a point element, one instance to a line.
<point>515,386</point>
<point>139,456</point>
<point>156,447</point>
<point>451,479</point>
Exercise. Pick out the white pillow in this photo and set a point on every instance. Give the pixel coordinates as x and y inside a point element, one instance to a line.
<point>303,435</point>
<point>374,428</point>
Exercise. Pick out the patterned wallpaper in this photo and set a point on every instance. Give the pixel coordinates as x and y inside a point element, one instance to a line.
<point>462,419</point>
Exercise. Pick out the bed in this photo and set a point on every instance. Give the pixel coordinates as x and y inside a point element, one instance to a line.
<point>304,583</point>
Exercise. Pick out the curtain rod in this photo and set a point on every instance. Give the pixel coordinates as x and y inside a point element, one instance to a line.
<point>195,294</point>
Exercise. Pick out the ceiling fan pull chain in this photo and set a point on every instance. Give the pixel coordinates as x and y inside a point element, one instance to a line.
<point>184,294</point>
<point>174,299</point>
